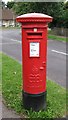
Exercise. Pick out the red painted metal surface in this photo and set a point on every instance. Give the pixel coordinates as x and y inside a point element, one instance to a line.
<point>34,51</point>
<point>34,17</point>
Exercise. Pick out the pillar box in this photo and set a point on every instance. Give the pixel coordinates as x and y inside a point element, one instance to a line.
<point>34,59</point>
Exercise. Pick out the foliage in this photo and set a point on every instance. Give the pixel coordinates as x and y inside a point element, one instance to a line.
<point>65,15</point>
<point>10,4</point>
<point>55,9</point>
<point>58,10</point>
<point>12,81</point>
<point>21,8</point>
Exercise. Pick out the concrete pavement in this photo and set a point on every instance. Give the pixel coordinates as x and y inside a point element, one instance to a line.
<point>8,113</point>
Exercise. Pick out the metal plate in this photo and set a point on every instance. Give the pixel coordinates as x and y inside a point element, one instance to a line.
<point>34,49</point>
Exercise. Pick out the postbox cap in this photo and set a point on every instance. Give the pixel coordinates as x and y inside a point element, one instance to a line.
<point>34,17</point>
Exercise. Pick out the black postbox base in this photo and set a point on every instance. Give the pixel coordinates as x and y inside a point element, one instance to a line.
<point>35,102</point>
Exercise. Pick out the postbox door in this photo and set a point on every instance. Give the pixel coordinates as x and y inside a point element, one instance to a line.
<point>34,62</point>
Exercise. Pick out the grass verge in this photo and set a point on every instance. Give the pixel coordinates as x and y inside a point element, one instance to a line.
<point>59,38</point>
<point>10,27</point>
<point>12,82</point>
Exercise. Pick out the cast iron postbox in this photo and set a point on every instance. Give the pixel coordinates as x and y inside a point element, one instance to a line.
<point>34,59</point>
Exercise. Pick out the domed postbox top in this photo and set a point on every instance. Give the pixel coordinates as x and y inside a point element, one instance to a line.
<point>34,17</point>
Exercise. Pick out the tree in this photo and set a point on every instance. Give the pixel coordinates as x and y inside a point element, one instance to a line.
<point>65,15</point>
<point>21,7</point>
<point>54,9</point>
<point>58,10</point>
<point>10,4</point>
<point>3,5</point>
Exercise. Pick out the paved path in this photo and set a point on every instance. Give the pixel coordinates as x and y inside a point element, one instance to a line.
<point>56,58</point>
<point>7,113</point>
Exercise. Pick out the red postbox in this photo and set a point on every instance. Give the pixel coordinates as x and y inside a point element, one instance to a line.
<point>34,59</point>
